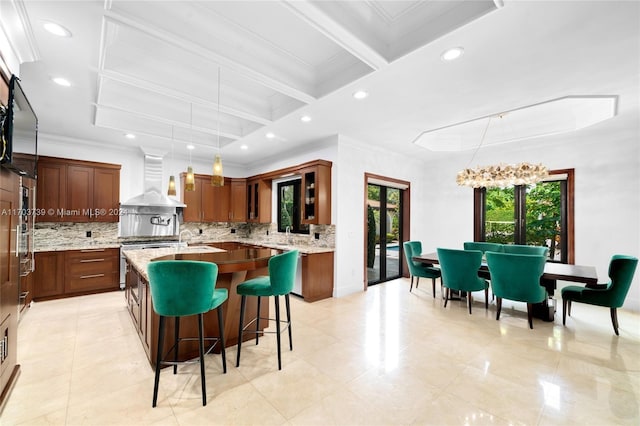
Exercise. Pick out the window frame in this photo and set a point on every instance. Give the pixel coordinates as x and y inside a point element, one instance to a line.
<point>297,227</point>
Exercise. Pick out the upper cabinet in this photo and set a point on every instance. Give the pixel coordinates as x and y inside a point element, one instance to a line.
<point>258,200</point>
<point>77,191</point>
<point>316,194</point>
<point>210,203</point>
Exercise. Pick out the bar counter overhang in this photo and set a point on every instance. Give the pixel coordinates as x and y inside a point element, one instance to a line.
<point>234,267</point>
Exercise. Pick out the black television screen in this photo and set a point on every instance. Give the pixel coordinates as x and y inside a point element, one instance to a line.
<point>19,150</point>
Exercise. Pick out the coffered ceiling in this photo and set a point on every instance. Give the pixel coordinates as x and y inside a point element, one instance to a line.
<point>151,68</point>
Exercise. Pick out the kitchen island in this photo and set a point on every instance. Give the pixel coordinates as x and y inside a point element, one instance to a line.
<point>234,267</point>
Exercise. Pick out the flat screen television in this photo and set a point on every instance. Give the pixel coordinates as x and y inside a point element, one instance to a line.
<point>19,133</point>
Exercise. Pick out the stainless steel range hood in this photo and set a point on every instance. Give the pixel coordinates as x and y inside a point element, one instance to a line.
<point>152,195</point>
<point>150,214</point>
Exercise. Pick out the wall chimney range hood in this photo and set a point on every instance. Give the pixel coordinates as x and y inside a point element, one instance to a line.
<point>153,196</point>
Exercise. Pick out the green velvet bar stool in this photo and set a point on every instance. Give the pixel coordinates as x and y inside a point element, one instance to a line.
<point>460,273</point>
<point>612,294</point>
<point>419,269</point>
<point>182,288</point>
<point>517,277</point>
<point>280,282</point>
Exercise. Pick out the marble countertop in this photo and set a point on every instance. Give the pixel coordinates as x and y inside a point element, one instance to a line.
<point>77,246</point>
<point>141,258</point>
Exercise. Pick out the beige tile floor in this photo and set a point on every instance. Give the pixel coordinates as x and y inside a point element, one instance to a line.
<point>381,357</point>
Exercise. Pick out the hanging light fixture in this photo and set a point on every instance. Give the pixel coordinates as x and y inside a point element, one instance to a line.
<point>190,181</point>
<point>217,179</point>
<point>172,178</point>
<point>500,175</point>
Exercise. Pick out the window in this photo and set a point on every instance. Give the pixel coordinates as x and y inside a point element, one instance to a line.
<point>540,214</point>
<point>289,207</point>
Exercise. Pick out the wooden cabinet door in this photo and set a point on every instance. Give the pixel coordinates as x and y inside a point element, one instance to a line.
<point>79,192</point>
<point>48,277</point>
<point>51,191</point>
<point>191,213</point>
<point>264,201</point>
<point>238,208</point>
<point>208,197</point>
<point>106,195</point>
<point>222,202</point>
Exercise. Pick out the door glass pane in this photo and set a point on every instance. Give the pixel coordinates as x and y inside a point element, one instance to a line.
<point>543,218</point>
<point>373,233</point>
<point>499,215</point>
<point>392,254</point>
<point>285,211</point>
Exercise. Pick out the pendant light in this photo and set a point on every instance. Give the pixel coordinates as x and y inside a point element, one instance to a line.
<point>172,178</point>
<point>190,181</point>
<point>217,179</point>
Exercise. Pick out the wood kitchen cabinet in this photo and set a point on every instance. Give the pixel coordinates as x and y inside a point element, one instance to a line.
<point>75,272</point>
<point>316,194</point>
<point>210,203</point>
<point>259,201</point>
<point>317,276</point>
<point>77,191</point>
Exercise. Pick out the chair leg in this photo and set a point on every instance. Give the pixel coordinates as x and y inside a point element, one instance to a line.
<point>486,298</point>
<point>243,303</point>
<point>446,297</point>
<point>176,339</point>
<point>417,281</point>
<point>161,327</point>
<point>223,352</point>
<point>614,320</point>
<point>201,348</point>
<point>277,300</point>
<point>288,306</point>
<point>469,301</point>
<point>564,311</point>
<point>258,321</point>
<point>411,288</point>
<point>498,307</point>
<point>433,285</point>
<point>569,308</point>
<point>530,314</point>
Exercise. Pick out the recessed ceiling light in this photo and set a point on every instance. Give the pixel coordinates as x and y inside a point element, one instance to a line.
<point>245,147</point>
<point>360,94</point>
<point>270,135</point>
<point>190,146</point>
<point>305,119</point>
<point>130,136</point>
<point>452,54</point>
<point>56,29</point>
<point>61,81</point>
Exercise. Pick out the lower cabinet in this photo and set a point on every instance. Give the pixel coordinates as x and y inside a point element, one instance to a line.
<point>75,272</point>
<point>139,305</point>
<point>317,276</point>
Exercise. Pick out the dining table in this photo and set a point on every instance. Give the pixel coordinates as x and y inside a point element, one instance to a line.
<point>553,271</point>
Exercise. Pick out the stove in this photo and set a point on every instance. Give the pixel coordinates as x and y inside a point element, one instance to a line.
<point>142,245</point>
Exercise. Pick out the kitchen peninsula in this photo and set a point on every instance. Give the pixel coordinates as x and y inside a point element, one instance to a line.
<point>235,265</point>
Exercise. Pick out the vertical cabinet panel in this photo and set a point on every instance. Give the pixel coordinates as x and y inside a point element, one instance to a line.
<point>106,194</point>
<point>48,277</point>
<point>238,208</point>
<point>79,188</point>
<point>51,193</point>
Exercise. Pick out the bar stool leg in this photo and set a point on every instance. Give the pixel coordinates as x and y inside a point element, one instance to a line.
<point>286,301</point>
<point>277,299</point>
<point>242,307</point>
<point>176,339</point>
<point>221,331</point>
<point>201,347</point>
<point>258,320</point>
<point>158,359</point>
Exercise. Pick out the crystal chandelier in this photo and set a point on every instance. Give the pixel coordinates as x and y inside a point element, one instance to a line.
<point>502,175</point>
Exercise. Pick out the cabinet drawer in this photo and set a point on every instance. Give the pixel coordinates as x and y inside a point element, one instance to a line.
<point>94,281</point>
<point>79,267</point>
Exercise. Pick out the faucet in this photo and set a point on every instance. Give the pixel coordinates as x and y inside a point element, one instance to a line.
<point>287,232</point>
<point>185,231</point>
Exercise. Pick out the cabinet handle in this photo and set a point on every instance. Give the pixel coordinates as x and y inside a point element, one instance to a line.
<point>82,277</point>
<point>17,240</point>
<point>91,260</point>
<point>90,250</point>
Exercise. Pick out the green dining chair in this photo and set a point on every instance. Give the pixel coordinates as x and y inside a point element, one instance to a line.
<point>483,246</point>
<point>460,272</point>
<point>419,269</point>
<point>280,282</point>
<point>524,249</point>
<point>517,277</point>
<point>182,288</point>
<point>612,294</point>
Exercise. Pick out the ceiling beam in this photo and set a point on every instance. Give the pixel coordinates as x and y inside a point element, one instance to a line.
<point>337,33</point>
<point>189,46</point>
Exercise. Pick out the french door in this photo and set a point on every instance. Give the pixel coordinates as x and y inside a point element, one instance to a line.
<point>384,233</point>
